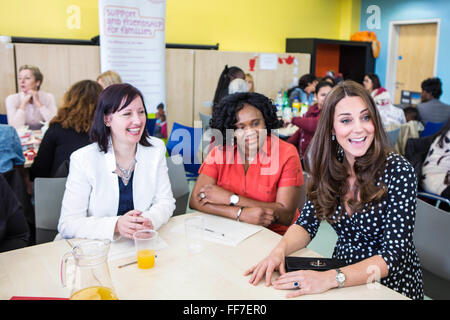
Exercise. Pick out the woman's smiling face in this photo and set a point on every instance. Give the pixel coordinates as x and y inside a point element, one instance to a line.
<point>353,127</point>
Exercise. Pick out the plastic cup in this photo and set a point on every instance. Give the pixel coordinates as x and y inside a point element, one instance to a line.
<point>195,229</point>
<point>145,242</point>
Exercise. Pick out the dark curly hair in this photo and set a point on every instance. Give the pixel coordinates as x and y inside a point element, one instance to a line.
<point>224,116</point>
<point>433,86</point>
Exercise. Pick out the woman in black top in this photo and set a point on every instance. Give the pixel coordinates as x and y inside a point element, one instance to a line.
<point>68,130</point>
<point>366,193</point>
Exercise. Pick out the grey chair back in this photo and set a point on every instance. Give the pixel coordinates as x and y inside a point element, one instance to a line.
<point>303,198</point>
<point>432,241</point>
<point>393,136</point>
<point>48,195</point>
<point>205,118</point>
<point>179,183</point>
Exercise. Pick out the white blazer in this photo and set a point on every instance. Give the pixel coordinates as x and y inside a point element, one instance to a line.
<point>91,199</point>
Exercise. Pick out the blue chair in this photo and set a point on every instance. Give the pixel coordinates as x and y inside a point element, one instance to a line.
<point>3,119</point>
<point>431,128</point>
<point>151,126</point>
<point>432,196</point>
<point>186,141</point>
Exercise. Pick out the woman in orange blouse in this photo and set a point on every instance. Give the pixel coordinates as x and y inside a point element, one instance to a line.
<point>250,175</point>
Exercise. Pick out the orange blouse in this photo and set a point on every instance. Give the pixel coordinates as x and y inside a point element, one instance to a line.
<point>277,165</point>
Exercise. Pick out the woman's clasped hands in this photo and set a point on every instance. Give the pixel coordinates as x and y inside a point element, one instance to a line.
<point>131,222</point>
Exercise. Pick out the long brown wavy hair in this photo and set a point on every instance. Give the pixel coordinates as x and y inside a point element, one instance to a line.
<point>77,111</point>
<point>328,184</point>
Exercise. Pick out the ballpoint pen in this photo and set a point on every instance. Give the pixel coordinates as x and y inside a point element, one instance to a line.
<point>131,263</point>
<point>218,233</point>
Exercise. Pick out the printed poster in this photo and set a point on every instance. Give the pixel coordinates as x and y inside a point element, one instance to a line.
<point>132,43</point>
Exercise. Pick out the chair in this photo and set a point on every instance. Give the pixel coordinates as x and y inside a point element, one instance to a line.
<point>3,119</point>
<point>302,198</point>
<point>432,238</point>
<point>205,119</point>
<point>48,195</point>
<point>435,197</point>
<point>150,125</point>
<point>179,183</point>
<point>185,141</point>
<point>431,128</point>
<point>393,136</point>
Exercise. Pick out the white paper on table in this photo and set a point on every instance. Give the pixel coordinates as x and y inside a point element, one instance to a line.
<point>268,61</point>
<point>124,247</point>
<point>234,232</point>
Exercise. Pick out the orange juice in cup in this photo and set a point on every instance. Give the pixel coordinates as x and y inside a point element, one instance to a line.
<point>145,242</point>
<point>146,258</point>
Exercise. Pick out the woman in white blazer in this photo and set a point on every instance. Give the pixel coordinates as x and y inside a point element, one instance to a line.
<point>119,184</point>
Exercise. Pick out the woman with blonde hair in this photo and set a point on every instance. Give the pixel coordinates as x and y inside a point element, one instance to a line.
<point>30,106</point>
<point>108,78</point>
<point>250,82</point>
<point>68,130</point>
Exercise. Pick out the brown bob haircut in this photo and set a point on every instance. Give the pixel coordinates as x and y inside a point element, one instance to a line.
<point>329,174</point>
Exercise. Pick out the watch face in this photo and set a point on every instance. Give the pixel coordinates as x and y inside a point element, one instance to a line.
<point>234,199</point>
<point>340,277</point>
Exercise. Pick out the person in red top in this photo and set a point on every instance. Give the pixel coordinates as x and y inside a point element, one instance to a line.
<point>250,175</point>
<point>308,123</point>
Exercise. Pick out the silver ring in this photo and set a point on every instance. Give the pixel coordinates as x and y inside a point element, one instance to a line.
<point>296,285</point>
<point>202,195</point>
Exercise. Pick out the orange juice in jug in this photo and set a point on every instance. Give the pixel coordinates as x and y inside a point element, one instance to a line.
<point>94,293</point>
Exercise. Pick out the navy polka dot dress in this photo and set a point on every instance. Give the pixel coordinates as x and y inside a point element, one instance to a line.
<point>385,229</point>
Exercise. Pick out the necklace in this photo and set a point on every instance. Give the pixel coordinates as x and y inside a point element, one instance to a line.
<point>126,173</point>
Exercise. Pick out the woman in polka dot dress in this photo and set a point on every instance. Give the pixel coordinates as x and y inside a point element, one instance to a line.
<point>366,193</point>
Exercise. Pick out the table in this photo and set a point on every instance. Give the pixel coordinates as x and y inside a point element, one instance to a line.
<point>215,273</point>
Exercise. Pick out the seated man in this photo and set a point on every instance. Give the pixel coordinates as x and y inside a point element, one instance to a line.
<point>431,109</point>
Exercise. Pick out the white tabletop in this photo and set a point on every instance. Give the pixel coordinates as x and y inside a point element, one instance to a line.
<point>214,273</point>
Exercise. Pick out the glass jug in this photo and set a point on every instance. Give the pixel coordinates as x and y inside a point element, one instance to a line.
<point>91,280</point>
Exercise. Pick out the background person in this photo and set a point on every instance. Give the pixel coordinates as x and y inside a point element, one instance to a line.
<point>305,90</point>
<point>108,78</point>
<point>390,114</point>
<point>14,232</point>
<point>119,184</point>
<point>30,106</point>
<point>252,176</point>
<point>436,167</point>
<point>365,192</point>
<point>308,123</point>
<point>431,109</point>
<point>227,75</point>
<point>11,154</point>
<point>250,82</point>
<point>68,130</point>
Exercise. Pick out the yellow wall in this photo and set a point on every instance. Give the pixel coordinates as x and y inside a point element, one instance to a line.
<point>237,25</point>
<point>350,18</point>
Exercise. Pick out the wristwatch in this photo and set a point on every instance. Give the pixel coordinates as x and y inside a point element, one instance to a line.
<point>340,278</point>
<point>234,199</point>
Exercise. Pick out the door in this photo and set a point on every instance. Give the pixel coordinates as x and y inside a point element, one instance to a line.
<point>415,56</point>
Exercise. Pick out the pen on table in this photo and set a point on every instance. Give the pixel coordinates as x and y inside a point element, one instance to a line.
<point>127,264</point>
<point>130,263</point>
<point>219,233</point>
